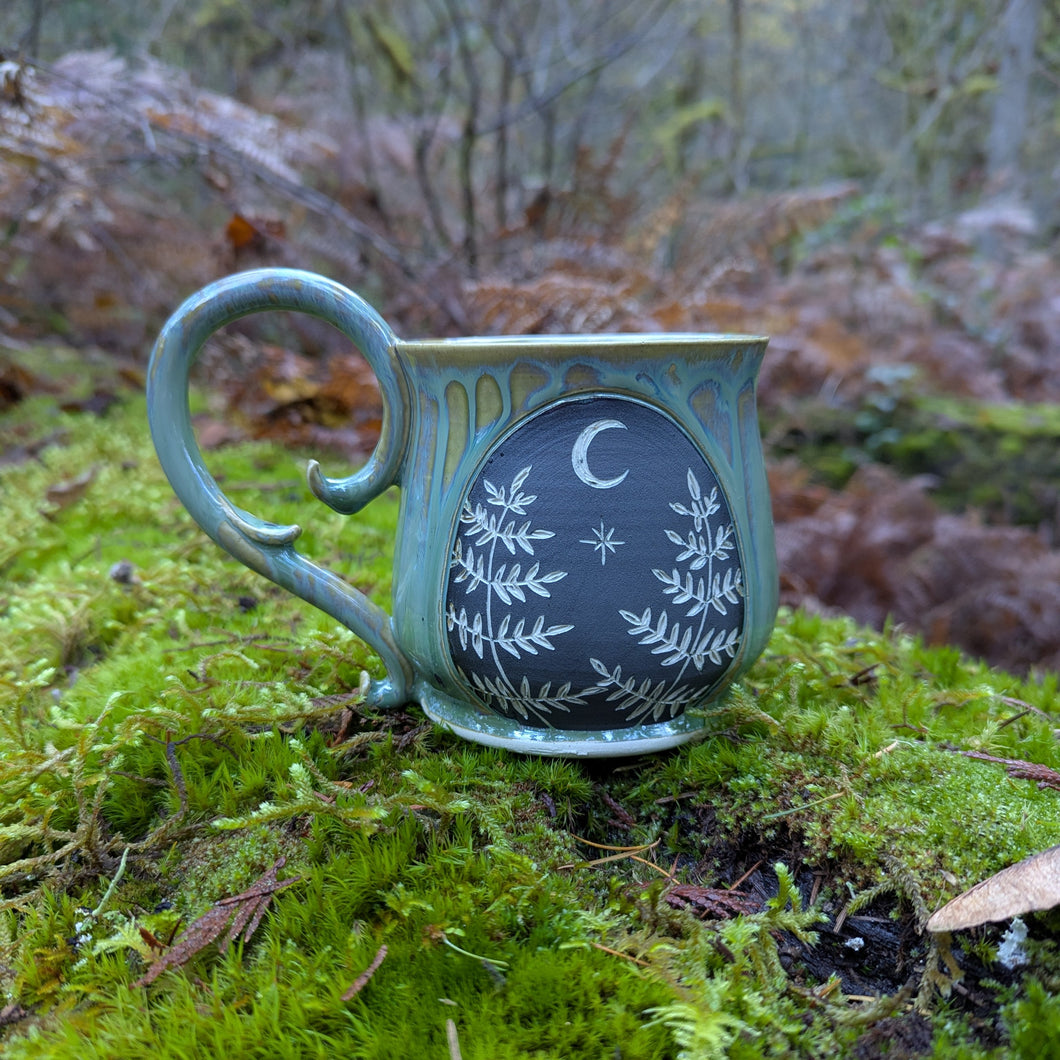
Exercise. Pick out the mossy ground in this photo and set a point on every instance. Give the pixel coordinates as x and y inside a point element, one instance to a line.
<point>170,728</point>
<point>999,459</point>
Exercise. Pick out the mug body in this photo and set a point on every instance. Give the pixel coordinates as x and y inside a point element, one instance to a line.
<point>585,549</point>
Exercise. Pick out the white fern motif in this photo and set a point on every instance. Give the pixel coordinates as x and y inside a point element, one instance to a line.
<point>519,640</point>
<point>474,560</point>
<point>507,583</point>
<point>639,698</point>
<point>523,700</point>
<point>677,646</point>
<point>728,587</point>
<point>683,643</point>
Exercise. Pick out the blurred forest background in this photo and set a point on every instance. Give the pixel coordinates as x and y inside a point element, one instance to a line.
<point>875,184</point>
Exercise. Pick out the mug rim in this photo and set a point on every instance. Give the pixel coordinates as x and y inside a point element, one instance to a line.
<point>625,339</point>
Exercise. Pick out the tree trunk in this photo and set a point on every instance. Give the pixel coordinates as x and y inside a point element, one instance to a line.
<point>504,102</point>
<point>32,38</point>
<point>469,134</point>
<point>737,157</point>
<point>1019,32</point>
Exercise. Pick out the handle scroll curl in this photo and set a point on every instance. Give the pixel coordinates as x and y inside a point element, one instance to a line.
<point>265,547</point>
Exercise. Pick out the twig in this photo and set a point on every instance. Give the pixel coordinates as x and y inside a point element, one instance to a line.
<point>362,980</point>
<point>174,765</point>
<point>1015,717</point>
<point>619,953</point>
<point>1024,710</point>
<point>652,865</point>
<point>733,886</point>
<point>453,1040</point>
<point>804,806</point>
<point>1012,701</point>
<point>252,640</point>
<point>627,852</point>
<point>636,849</point>
<point>815,890</point>
<point>153,782</point>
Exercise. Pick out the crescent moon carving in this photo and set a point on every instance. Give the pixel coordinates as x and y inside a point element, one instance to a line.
<point>580,455</point>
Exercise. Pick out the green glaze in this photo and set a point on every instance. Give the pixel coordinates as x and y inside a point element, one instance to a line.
<point>448,405</point>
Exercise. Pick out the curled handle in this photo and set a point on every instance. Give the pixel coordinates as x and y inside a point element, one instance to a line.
<point>265,547</point>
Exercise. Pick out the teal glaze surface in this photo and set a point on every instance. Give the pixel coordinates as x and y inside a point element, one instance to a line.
<point>450,407</point>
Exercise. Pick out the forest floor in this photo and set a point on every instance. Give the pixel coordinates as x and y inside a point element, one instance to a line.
<point>184,756</point>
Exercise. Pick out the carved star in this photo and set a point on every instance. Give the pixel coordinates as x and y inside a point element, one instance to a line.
<point>603,541</point>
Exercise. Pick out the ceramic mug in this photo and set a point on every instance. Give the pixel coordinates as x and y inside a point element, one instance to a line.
<point>585,546</point>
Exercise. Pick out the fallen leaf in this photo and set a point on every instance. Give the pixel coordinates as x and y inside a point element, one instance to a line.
<point>151,940</point>
<point>70,491</point>
<point>251,232</point>
<point>97,403</point>
<point>1029,886</point>
<point>213,434</point>
<point>240,232</point>
<point>16,384</point>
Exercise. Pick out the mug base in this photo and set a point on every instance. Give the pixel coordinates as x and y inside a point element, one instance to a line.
<point>495,731</point>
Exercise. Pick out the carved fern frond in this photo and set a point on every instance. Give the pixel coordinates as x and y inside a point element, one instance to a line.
<point>713,645</point>
<point>639,700</point>
<point>727,587</point>
<point>511,500</point>
<point>471,568</point>
<point>662,637</point>
<point>693,547</point>
<point>527,641</point>
<point>501,694</point>
<point>486,529</point>
<point>519,640</point>
<point>701,509</point>
<point>508,584</point>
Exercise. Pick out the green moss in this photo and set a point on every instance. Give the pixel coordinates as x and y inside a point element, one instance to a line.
<point>164,740</point>
<point>1034,1023</point>
<point>1003,460</point>
<point>868,768</point>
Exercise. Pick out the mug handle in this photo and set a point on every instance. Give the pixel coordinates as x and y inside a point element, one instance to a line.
<point>268,547</point>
